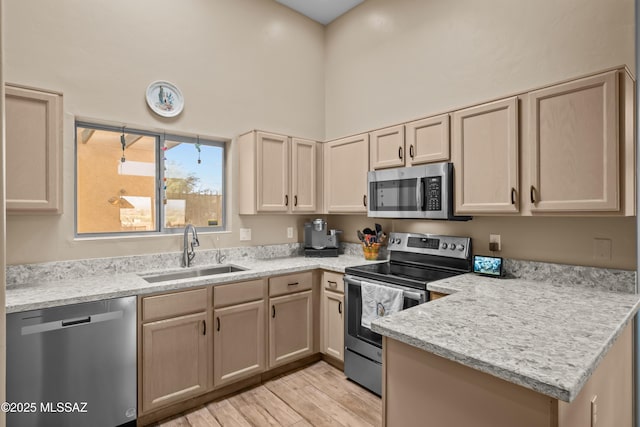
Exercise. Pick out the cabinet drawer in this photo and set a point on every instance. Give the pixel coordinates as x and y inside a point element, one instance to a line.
<point>333,281</point>
<point>175,304</point>
<point>237,293</point>
<point>290,283</point>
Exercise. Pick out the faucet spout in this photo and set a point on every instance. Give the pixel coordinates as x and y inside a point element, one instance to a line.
<point>188,251</point>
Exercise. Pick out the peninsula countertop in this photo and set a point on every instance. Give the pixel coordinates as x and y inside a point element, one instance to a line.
<point>37,295</point>
<point>546,337</point>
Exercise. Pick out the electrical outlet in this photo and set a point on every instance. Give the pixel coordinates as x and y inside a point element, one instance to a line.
<point>290,232</point>
<point>594,411</point>
<point>245,234</point>
<point>494,243</point>
<point>602,249</point>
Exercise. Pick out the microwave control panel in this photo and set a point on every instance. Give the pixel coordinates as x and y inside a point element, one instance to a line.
<point>433,193</point>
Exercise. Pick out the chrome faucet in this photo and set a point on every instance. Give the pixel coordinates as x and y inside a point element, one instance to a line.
<point>188,253</point>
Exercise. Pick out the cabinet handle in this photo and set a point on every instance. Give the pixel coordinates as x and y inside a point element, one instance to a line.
<point>400,152</point>
<point>340,307</point>
<point>204,327</point>
<point>532,194</point>
<point>273,311</point>
<point>293,284</point>
<point>286,200</point>
<point>331,282</point>
<point>295,200</point>
<point>218,321</point>
<point>513,196</point>
<point>364,200</point>
<point>411,151</point>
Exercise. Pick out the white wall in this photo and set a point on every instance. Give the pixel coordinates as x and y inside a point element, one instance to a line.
<point>391,61</point>
<point>241,64</point>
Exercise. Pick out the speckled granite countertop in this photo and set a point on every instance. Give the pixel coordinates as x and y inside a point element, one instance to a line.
<point>32,296</point>
<point>543,336</point>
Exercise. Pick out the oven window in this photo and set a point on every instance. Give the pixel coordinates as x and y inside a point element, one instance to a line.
<point>395,195</point>
<point>354,328</point>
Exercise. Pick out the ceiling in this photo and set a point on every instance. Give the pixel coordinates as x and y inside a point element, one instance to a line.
<point>322,11</point>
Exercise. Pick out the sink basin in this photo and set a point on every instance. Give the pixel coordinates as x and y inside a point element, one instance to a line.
<point>187,274</point>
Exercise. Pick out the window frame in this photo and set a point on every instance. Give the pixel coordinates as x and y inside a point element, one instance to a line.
<point>160,138</point>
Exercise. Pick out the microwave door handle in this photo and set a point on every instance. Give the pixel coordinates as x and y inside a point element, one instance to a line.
<point>419,193</point>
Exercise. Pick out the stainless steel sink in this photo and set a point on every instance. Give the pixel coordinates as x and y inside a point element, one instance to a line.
<point>187,274</point>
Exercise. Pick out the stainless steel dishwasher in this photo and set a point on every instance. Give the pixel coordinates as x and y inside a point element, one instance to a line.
<point>73,365</point>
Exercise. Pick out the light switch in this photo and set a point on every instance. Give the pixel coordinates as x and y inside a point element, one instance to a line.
<point>290,232</point>
<point>245,234</point>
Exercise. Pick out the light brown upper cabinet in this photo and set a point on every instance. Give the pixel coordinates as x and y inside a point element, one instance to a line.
<point>386,147</point>
<point>277,173</point>
<point>427,140</point>
<point>34,151</point>
<point>346,163</point>
<point>574,146</point>
<point>414,143</point>
<point>485,158</point>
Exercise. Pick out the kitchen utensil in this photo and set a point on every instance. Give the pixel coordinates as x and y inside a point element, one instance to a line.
<point>378,229</point>
<point>362,238</point>
<point>368,231</point>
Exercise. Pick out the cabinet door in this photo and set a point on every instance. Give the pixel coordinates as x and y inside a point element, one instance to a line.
<point>174,360</point>
<point>333,324</point>
<point>272,163</point>
<point>485,158</point>
<point>34,153</point>
<point>238,343</point>
<point>346,166</point>
<point>428,140</point>
<point>387,147</point>
<point>290,328</point>
<point>303,175</point>
<point>574,159</point>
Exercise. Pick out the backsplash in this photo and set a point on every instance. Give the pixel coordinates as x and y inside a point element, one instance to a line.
<point>591,277</point>
<point>65,270</point>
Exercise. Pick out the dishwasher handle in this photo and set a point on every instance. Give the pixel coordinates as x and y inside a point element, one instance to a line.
<point>76,321</point>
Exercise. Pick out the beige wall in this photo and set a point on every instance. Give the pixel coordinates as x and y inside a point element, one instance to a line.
<point>241,64</point>
<point>392,61</point>
<point>560,240</point>
<point>245,64</point>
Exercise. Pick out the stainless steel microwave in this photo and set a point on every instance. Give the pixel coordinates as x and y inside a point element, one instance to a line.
<point>416,192</point>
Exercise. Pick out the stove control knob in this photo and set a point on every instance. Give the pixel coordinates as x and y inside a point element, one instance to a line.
<point>444,246</point>
<point>452,246</point>
<point>398,240</point>
<point>461,248</point>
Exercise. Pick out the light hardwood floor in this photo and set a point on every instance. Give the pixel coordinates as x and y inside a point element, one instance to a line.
<point>318,395</point>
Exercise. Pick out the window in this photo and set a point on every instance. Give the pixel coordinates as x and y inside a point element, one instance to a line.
<point>133,181</point>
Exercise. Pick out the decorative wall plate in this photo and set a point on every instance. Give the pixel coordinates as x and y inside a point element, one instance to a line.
<point>165,99</point>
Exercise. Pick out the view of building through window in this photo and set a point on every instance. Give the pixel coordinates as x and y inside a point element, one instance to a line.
<point>132,182</point>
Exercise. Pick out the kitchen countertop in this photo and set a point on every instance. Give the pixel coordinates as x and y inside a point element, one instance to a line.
<point>32,296</point>
<point>546,337</point>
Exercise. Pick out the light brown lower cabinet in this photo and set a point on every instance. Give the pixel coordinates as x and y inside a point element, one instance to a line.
<point>238,342</point>
<point>290,328</point>
<point>333,324</point>
<point>451,394</point>
<point>174,360</point>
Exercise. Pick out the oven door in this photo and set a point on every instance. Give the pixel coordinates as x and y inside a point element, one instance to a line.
<point>358,338</point>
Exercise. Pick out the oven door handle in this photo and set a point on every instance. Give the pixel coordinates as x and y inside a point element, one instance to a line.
<point>412,295</point>
<point>419,193</point>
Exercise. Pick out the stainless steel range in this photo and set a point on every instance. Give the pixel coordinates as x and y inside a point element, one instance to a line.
<point>415,260</point>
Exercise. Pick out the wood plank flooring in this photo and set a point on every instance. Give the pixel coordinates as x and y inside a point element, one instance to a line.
<point>318,395</point>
